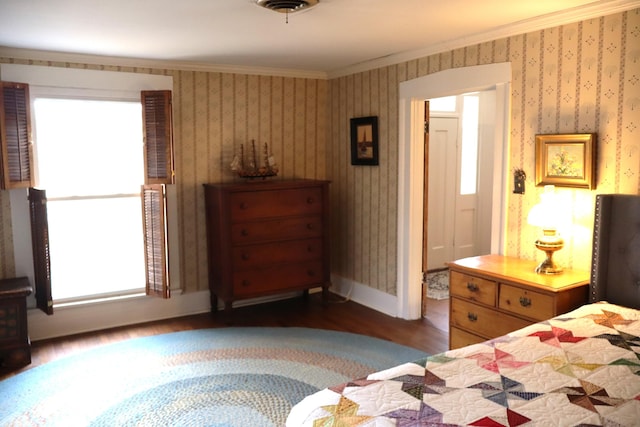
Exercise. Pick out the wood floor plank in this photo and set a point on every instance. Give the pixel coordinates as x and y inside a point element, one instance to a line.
<point>429,334</point>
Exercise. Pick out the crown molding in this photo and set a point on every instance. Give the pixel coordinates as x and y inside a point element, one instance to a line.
<point>582,13</point>
<point>42,55</point>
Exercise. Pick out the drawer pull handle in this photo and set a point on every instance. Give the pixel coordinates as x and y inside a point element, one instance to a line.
<point>311,273</point>
<point>472,317</point>
<point>525,302</point>
<point>309,248</point>
<point>310,200</point>
<point>246,283</point>
<point>472,287</point>
<point>310,226</point>
<point>243,205</point>
<point>244,232</point>
<point>245,257</point>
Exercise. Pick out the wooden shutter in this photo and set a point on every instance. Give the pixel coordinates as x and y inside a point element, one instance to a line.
<point>158,137</point>
<point>40,244</point>
<point>16,151</point>
<point>155,240</point>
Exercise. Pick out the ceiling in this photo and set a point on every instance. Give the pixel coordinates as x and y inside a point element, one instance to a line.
<point>333,38</point>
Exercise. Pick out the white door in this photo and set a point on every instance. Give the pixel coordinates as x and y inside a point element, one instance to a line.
<point>443,168</point>
<point>453,212</point>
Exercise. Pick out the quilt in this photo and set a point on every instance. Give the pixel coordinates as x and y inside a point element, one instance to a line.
<point>580,368</point>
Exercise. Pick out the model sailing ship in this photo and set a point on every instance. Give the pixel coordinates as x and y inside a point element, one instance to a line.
<point>252,168</point>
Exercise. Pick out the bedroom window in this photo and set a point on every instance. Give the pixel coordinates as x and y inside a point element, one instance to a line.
<point>92,171</point>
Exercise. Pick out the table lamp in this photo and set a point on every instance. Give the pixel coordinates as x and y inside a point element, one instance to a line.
<point>549,215</point>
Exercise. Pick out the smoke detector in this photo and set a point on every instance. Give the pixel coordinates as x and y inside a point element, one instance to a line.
<point>287,6</point>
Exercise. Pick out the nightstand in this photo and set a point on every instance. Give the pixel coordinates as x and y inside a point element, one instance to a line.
<point>492,295</point>
<point>15,347</point>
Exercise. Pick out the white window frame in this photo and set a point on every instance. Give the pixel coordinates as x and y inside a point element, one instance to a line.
<point>90,84</point>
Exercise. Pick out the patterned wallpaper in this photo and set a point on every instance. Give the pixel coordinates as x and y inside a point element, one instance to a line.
<point>213,114</point>
<point>582,77</point>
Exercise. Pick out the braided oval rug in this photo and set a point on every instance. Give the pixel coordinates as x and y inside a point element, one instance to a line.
<point>208,377</point>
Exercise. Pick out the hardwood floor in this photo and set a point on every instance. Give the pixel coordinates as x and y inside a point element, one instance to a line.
<point>429,334</point>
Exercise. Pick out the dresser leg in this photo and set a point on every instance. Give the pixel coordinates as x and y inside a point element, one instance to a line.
<point>325,295</point>
<point>214,303</point>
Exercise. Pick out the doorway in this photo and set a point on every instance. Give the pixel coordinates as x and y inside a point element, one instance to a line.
<point>411,153</point>
<point>460,164</point>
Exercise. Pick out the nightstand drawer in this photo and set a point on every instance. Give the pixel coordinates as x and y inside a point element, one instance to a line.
<point>534,305</point>
<point>484,321</point>
<point>459,338</point>
<point>473,288</point>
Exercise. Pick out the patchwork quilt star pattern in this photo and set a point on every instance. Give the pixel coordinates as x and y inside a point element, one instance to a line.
<point>580,368</point>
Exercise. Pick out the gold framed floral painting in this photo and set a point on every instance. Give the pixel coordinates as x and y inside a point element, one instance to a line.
<point>566,160</point>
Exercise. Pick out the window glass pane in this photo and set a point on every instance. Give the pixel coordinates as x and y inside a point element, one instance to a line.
<point>445,104</point>
<point>96,246</point>
<point>80,146</point>
<point>92,150</point>
<point>469,157</point>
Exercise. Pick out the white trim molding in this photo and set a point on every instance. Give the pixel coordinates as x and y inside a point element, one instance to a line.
<point>412,95</point>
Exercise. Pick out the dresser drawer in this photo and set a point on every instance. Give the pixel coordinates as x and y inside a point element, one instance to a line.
<point>264,255</point>
<point>277,279</point>
<point>482,320</point>
<point>473,288</point>
<point>270,204</point>
<point>534,305</point>
<point>248,232</point>
<point>459,338</point>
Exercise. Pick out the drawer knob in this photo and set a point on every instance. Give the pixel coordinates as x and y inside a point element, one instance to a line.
<point>310,200</point>
<point>525,302</point>
<point>311,273</point>
<point>472,317</point>
<point>472,287</point>
<point>244,232</point>
<point>245,256</point>
<point>310,226</point>
<point>246,283</point>
<point>244,205</point>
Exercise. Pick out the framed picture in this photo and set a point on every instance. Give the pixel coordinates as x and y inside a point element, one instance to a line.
<point>566,160</point>
<point>364,140</point>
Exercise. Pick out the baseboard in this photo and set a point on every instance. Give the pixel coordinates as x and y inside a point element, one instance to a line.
<point>365,295</point>
<point>77,319</point>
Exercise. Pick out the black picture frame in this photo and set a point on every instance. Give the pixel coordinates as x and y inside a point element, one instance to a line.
<point>364,141</point>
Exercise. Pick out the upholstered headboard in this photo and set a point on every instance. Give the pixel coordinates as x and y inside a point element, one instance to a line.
<point>615,265</point>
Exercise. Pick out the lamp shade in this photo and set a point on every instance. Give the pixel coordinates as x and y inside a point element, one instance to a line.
<point>551,213</point>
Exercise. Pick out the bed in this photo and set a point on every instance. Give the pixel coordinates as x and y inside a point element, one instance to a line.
<point>579,368</point>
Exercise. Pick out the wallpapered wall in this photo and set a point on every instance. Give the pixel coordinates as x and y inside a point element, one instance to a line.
<point>582,77</point>
<point>577,78</point>
<point>214,113</point>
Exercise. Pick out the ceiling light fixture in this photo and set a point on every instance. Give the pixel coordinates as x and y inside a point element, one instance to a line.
<point>287,6</point>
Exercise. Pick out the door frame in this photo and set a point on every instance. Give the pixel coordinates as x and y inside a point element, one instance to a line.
<point>411,155</point>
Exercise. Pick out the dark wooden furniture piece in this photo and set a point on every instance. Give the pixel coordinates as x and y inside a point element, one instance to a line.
<point>266,237</point>
<point>15,347</point>
<point>615,264</point>
<point>492,295</point>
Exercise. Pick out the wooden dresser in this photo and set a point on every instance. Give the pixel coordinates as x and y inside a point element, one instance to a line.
<point>266,237</point>
<point>493,295</point>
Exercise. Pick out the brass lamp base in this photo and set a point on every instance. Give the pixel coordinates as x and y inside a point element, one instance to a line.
<point>549,246</point>
<point>548,266</point>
